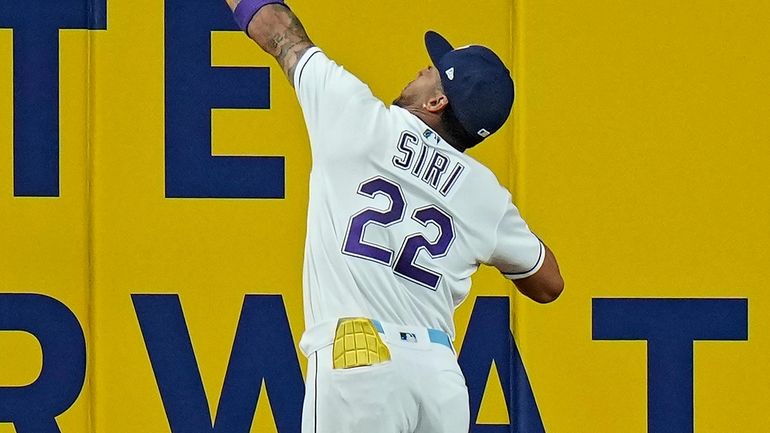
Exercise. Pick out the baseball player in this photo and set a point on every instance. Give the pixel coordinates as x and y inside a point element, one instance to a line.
<point>399,219</point>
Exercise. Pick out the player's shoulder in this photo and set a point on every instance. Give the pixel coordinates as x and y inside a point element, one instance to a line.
<point>322,73</point>
<point>480,170</point>
<point>483,192</point>
<point>484,175</point>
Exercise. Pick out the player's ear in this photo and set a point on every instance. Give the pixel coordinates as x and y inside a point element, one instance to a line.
<point>437,103</point>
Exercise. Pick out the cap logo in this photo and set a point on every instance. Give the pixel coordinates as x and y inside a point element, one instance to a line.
<point>484,133</point>
<point>450,73</point>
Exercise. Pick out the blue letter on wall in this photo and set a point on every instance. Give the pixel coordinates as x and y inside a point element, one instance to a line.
<point>488,339</point>
<point>193,88</point>
<point>33,408</point>
<point>263,349</point>
<point>36,27</point>
<point>670,326</point>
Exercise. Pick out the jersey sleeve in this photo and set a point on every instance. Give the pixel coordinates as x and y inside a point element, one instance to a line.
<point>336,105</point>
<point>518,252</point>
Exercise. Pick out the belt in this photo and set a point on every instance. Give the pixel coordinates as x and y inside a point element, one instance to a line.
<point>323,334</point>
<point>434,335</point>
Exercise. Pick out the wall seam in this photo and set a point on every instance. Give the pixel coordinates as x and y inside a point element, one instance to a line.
<point>90,342</point>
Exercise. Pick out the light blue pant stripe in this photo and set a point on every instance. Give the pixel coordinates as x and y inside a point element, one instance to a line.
<point>434,335</point>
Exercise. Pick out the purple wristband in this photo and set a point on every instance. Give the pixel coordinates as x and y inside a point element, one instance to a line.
<point>246,10</point>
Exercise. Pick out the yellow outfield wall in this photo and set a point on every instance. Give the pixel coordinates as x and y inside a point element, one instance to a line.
<point>153,187</point>
<point>643,156</point>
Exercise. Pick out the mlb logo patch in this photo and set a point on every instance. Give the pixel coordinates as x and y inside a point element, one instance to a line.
<point>409,337</point>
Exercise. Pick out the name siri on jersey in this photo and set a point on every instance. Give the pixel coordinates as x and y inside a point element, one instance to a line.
<point>426,162</point>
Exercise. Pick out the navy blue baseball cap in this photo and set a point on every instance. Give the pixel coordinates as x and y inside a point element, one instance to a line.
<point>476,82</point>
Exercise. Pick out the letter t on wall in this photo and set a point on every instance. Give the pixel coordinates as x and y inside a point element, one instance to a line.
<point>36,108</point>
<point>670,326</point>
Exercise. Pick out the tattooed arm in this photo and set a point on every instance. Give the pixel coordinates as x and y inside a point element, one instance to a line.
<point>278,31</point>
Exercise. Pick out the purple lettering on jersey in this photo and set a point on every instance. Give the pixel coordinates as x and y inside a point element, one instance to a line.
<point>354,239</point>
<point>429,164</point>
<point>437,167</point>
<point>420,160</point>
<point>407,153</point>
<point>452,180</point>
<point>405,263</point>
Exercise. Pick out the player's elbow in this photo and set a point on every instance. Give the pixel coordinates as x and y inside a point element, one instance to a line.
<point>542,287</point>
<point>549,292</point>
<point>547,284</point>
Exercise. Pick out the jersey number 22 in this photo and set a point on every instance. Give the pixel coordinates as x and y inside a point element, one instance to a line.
<point>404,264</point>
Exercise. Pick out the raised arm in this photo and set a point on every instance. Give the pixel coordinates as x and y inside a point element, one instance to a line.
<point>275,29</point>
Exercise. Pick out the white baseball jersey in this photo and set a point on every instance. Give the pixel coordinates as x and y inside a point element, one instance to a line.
<point>398,219</point>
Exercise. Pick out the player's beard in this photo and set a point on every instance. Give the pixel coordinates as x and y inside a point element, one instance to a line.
<point>403,101</point>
